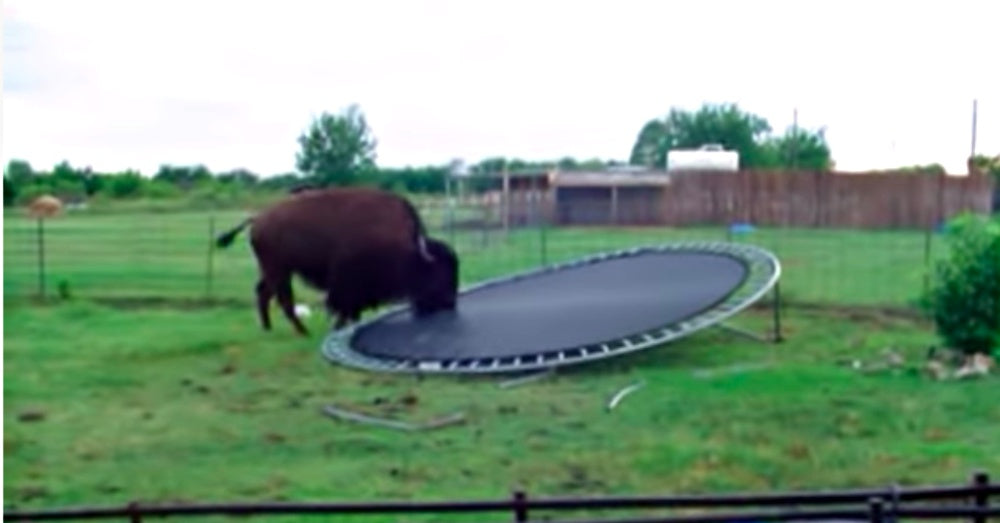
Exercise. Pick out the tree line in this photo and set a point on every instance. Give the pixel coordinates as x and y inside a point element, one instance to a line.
<point>341,149</point>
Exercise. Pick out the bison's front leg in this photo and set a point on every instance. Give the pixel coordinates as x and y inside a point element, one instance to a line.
<point>283,291</point>
<point>335,309</point>
<point>346,318</point>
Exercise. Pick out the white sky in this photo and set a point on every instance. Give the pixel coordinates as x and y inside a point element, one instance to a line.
<point>133,84</point>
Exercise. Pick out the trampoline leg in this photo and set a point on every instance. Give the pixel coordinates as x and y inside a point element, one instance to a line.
<point>531,377</point>
<point>775,336</point>
<point>744,332</point>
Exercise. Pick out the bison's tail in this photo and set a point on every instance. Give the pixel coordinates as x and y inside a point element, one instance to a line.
<point>226,239</point>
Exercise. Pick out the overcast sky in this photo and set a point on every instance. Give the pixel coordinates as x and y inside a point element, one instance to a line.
<point>133,84</point>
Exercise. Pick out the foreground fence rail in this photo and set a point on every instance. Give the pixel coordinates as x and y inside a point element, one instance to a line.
<point>891,504</point>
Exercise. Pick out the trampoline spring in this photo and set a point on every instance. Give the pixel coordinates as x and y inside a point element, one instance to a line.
<point>532,377</point>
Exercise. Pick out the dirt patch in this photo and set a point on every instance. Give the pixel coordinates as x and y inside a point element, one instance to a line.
<point>579,479</point>
<point>31,415</point>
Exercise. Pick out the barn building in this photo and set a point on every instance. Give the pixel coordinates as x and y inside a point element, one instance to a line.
<point>612,197</point>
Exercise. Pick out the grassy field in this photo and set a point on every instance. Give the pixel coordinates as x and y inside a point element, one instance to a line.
<point>106,404</point>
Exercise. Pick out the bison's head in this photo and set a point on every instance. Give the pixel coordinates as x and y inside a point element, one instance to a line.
<point>435,280</point>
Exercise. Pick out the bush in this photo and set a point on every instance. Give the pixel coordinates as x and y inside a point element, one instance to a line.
<point>161,190</point>
<point>965,295</point>
<point>125,185</point>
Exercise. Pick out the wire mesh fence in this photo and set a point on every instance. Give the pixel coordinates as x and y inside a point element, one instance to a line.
<point>172,255</point>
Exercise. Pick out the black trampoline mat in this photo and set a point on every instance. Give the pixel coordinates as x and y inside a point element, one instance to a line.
<point>577,306</point>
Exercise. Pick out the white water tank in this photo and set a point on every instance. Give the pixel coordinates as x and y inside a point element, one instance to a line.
<point>710,157</point>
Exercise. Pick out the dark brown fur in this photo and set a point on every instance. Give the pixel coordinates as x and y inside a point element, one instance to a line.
<point>363,247</point>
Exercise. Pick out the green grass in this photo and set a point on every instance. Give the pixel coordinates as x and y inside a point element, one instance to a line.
<point>156,255</point>
<point>200,405</point>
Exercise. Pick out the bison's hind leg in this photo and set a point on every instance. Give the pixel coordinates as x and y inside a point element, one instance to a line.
<point>264,295</point>
<point>282,289</point>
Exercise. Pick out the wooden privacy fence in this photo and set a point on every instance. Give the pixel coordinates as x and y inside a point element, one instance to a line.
<point>822,199</point>
<point>968,503</point>
<point>812,199</point>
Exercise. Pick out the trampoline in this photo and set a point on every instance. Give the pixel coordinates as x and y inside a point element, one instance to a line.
<point>596,307</point>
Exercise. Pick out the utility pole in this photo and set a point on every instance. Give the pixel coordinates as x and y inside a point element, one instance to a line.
<point>975,104</point>
<point>795,138</point>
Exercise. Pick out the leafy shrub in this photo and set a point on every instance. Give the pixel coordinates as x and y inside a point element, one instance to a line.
<point>161,190</point>
<point>126,185</point>
<point>965,296</point>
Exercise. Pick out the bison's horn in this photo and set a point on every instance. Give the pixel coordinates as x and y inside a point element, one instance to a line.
<point>426,254</point>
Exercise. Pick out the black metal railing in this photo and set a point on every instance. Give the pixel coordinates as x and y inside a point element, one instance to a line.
<point>892,504</point>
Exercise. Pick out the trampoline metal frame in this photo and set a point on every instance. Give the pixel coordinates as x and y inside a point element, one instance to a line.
<point>764,271</point>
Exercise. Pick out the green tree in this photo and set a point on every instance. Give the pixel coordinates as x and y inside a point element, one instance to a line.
<point>495,164</point>
<point>240,177</point>
<point>184,177</point>
<point>652,144</point>
<point>128,184</point>
<point>63,171</point>
<point>988,165</point>
<point>567,163</point>
<point>93,183</point>
<point>9,191</point>
<point>17,175</point>
<point>19,172</point>
<point>420,179</point>
<point>337,149</point>
<point>64,181</point>
<point>724,124</point>
<point>797,149</point>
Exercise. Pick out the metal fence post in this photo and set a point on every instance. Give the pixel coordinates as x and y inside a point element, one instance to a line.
<point>538,208</point>
<point>40,238</point>
<point>543,244</point>
<point>210,258</point>
<point>928,241</point>
<point>520,511</point>
<point>134,515</point>
<point>981,499</point>
<point>778,304</point>
<point>450,202</point>
<point>876,511</point>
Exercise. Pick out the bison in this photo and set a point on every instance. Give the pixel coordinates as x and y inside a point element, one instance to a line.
<point>363,247</point>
